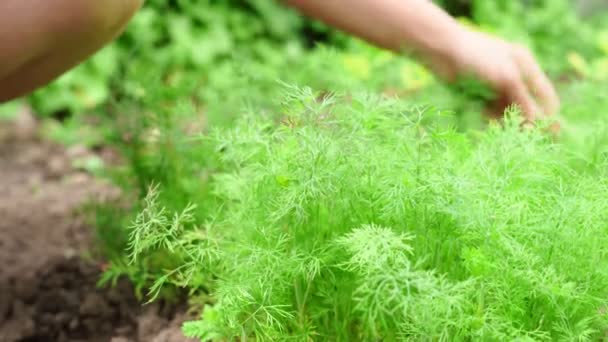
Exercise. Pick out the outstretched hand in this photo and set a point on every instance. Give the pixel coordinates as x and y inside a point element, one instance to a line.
<point>451,49</point>
<point>511,70</point>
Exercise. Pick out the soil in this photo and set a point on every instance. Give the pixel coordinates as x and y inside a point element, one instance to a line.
<point>48,277</point>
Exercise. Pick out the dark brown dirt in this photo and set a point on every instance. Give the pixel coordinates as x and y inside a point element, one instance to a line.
<point>48,277</point>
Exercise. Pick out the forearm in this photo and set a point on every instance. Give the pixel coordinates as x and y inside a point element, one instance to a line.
<point>39,40</point>
<point>414,26</point>
<point>450,50</point>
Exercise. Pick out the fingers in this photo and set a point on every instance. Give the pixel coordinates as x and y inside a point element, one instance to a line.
<point>516,92</point>
<point>537,82</point>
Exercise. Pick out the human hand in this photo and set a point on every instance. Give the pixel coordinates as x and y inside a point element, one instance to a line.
<point>510,69</point>
<point>421,28</point>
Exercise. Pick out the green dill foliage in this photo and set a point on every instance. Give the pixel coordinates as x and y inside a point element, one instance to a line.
<point>344,214</point>
<point>364,218</point>
<point>153,229</point>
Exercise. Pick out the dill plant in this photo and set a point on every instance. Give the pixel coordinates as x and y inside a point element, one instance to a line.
<point>356,217</point>
<point>362,218</point>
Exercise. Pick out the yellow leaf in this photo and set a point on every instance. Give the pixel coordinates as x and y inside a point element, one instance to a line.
<point>415,76</point>
<point>600,69</point>
<point>578,63</point>
<point>602,42</point>
<point>357,66</point>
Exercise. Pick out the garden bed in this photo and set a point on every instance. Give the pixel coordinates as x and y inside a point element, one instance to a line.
<point>48,274</point>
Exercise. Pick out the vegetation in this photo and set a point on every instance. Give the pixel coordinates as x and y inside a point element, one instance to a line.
<point>338,192</point>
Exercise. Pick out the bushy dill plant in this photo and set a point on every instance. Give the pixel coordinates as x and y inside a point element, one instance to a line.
<point>362,218</point>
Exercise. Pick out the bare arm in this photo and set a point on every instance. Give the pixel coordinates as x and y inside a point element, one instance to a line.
<point>416,26</point>
<point>450,49</point>
<point>39,40</point>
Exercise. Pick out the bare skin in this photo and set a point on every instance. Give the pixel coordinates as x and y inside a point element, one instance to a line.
<point>40,40</point>
<point>423,29</point>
